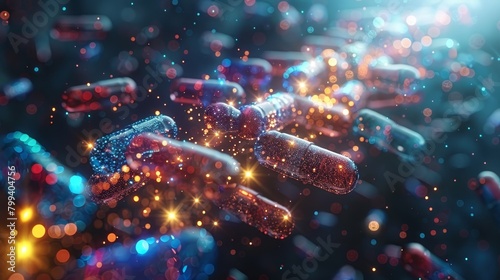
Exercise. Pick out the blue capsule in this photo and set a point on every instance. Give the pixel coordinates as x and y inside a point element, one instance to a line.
<point>253,73</point>
<point>388,135</point>
<point>107,156</point>
<point>305,76</point>
<point>15,89</point>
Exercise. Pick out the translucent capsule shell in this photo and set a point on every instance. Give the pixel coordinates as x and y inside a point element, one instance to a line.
<point>388,135</point>
<point>273,113</point>
<point>280,61</point>
<point>221,117</point>
<point>108,153</point>
<point>489,191</point>
<point>255,210</point>
<point>112,187</point>
<point>303,161</point>
<point>159,157</point>
<point>99,95</point>
<point>417,260</point>
<point>81,28</point>
<point>400,79</point>
<point>204,92</point>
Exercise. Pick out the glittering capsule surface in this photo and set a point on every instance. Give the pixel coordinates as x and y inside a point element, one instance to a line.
<point>388,135</point>
<point>255,210</point>
<point>306,162</point>
<point>159,157</point>
<point>204,92</point>
<point>112,187</point>
<point>108,153</point>
<point>273,113</point>
<point>81,28</point>
<point>99,95</point>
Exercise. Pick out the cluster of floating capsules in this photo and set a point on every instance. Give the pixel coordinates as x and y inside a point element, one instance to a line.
<point>145,151</point>
<point>328,88</point>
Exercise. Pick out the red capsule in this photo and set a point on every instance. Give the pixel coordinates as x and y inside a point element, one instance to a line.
<point>255,210</point>
<point>204,92</point>
<point>99,95</point>
<point>81,28</point>
<point>280,61</point>
<point>303,161</point>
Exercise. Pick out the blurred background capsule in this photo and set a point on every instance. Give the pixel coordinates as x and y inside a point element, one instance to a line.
<point>81,28</point>
<point>282,60</point>
<point>99,95</point>
<point>381,131</point>
<point>16,89</point>
<point>489,191</point>
<point>253,74</point>
<point>204,92</point>
<point>419,262</point>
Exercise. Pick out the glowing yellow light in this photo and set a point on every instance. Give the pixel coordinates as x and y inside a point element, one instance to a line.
<point>216,223</point>
<point>199,223</point>
<point>26,215</point>
<point>373,226</point>
<point>90,145</point>
<point>286,217</point>
<point>136,198</point>
<point>125,168</point>
<point>157,113</point>
<point>157,197</point>
<point>345,112</point>
<point>374,269</point>
<point>196,200</point>
<point>248,174</point>
<point>38,231</point>
<point>171,216</point>
<point>24,250</point>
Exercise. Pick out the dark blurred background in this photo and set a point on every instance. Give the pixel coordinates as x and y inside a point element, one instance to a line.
<point>434,206</point>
